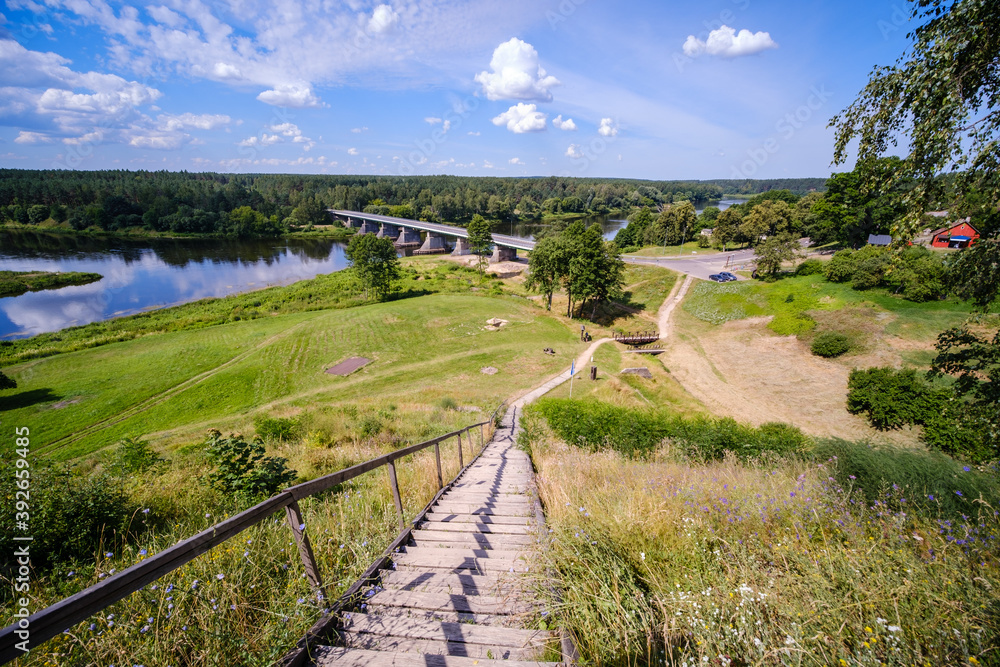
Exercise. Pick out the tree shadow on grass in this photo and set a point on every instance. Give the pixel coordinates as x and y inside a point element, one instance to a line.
<point>26,399</point>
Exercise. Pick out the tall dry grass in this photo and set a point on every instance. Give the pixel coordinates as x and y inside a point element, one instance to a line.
<point>726,563</point>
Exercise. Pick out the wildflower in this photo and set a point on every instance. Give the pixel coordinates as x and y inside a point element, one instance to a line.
<point>642,556</point>
<point>958,492</point>
<point>108,555</point>
<point>220,577</point>
<point>966,468</point>
<point>145,511</point>
<point>142,552</point>
<point>894,628</point>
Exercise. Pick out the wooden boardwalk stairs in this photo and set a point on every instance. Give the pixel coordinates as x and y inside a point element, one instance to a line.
<point>464,589</point>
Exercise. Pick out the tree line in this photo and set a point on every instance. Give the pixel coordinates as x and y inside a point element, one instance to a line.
<point>201,203</point>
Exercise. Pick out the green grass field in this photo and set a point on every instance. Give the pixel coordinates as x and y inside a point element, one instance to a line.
<point>176,385</point>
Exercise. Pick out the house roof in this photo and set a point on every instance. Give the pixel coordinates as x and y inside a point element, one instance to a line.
<point>879,239</point>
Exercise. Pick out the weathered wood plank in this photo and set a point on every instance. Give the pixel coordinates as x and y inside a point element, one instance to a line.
<point>445,632</point>
<point>470,604</point>
<point>485,519</point>
<point>472,526</point>
<point>432,650</point>
<point>494,584</point>
<point>354,657</point>
<point>485,541</point>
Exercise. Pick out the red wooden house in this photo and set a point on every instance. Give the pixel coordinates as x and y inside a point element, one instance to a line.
<point>961,234</point>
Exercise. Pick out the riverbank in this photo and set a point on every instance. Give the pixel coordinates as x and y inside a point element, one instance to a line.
<point>15,283</point>
<point>331,232</point>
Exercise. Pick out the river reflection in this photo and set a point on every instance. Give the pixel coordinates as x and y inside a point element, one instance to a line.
<point>148,274</point>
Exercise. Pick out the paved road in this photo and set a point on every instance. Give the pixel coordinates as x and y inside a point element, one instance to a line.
<point>699,266</point>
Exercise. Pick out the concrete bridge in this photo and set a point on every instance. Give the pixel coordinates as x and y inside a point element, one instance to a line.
<point>437,239</point>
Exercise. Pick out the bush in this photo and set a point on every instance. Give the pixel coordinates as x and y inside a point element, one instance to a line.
<point>891,398</point>
<point>841,266</point>
<point>594,425</point>
<point>72,517</point>
<point>934,484</point>
<point>830,344</point>
<point>275,429</point>
<point>242,469</point>
<point>133,456</point>
<point>809,267</point>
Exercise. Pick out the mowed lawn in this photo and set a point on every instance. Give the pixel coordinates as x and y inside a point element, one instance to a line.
<point>171,387</point>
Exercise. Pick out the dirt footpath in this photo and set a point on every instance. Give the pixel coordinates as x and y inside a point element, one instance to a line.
<point>742,370</point>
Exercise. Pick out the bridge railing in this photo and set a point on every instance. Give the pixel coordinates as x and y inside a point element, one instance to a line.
<point>45,624</point>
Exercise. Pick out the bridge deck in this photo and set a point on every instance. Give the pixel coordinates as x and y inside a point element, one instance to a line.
<point>436,228</point>
<point>462,591</point>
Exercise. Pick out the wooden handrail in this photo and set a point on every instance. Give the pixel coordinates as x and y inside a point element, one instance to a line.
<point>46,623</point>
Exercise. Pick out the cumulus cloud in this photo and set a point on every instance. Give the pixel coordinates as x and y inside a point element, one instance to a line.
<point>184,121</point>
<point>574,151</point>
<point>383,19</point>
<point>163,142</point>
<point>262,139</point>
<point>359,130</point>
<point>352,151</point>
<point>225,71</point>
<point>516,75</point>
<point>295,96</point>
<point>522,118</point>
<point>515,160</point>
<point>607,128</point>
<point>567,124</point>
<point>727,43</point>
<point>32,138</point>
<point>474,134</point>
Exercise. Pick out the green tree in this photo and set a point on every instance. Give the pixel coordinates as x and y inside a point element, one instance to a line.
<point>769,218</point>
<point>375,262</point>
<point>545,266</point>
<point>310,212</point>
<point>672,226</point>
<point>6,382</point>
<point>773,252</point>
<point>727,228</point>
<point>975,273</point>
<point>596,268</point>
<point>941,97</point>
<point>480,239</point>
<point>38,213</point>
<point>242,469</point>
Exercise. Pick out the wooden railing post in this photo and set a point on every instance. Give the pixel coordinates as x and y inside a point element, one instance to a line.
<point>461,459</point>
<point>395,494</point>
<point>437,455</point>
<point>482,431</point>
<point>298,526</point>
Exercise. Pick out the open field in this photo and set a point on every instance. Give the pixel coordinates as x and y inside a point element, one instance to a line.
<point>14,283</point>
<point>175,385</point>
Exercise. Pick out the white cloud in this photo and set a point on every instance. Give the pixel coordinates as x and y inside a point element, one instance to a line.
<point>432,120</point>
<point>226,71</point>
<point>567,124</point>
<point>574,151</point>
<point>157,141</point>
<point>359,130</point>
<point>262,139</point>
<point>295,96</point>
<point>166,16</point>
<point>515,160</point>
<point>516,74</point>
<point>32,138</point>
<point>206,121</point>
<point>522,118</point>
<point>726,42</point>
<point>352,151</point>
<point>383,19</point>
<point>608,128</point>
<point>487,164</point>
<point>474,134</point>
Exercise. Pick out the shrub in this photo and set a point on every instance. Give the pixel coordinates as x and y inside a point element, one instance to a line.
<point>241,468</point>
<point>133,456</point>
<point>830,344</point>
<point>934,483</point>
<point>841,266</point>
<point>448,403</point>
<point>276,429</point>
<point>72,517</point>
<point>891,398</point>
<point>809,267</point>
<point>594,425</point>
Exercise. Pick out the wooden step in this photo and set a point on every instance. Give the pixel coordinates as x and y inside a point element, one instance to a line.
<point>469,604</point>
<point>484,509</point>
<point>444,616</point>
<point>487,519</point>
<point>467,551</point>
<point>470,525</point>
<point>442,560</point>
<point>330,656</point>
<point>483,540</point>
<point>491,584</point>
<point>405,634</point>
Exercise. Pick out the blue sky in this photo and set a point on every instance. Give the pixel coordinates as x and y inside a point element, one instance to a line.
<point>651,89</point>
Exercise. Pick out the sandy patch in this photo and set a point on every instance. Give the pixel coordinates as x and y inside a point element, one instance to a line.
<point>742,370</point>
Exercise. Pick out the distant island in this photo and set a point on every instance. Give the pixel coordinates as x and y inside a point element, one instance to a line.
<point>15,283</point>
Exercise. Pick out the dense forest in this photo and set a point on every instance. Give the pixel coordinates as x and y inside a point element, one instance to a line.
<point>246,205</point>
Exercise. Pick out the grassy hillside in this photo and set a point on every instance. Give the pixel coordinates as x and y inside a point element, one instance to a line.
<point>177,384</point>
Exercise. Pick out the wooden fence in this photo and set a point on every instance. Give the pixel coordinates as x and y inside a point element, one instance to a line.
<point>45,624</point>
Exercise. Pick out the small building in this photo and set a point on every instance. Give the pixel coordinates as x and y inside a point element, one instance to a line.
<point>879,239</point>
<point>708,231</point>
<point>961,234</point>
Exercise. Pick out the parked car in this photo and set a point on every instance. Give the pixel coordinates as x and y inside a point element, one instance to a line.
<point>728,276</point>
<point>717,277</point>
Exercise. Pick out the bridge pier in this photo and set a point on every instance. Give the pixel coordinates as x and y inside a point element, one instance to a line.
<point>433,244</point>
<point>408,237</point>
<point>368,227</point>
<point>388,231</point>
<point>503,254</point>
<point>461,247</point>
<point>353,222</point>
